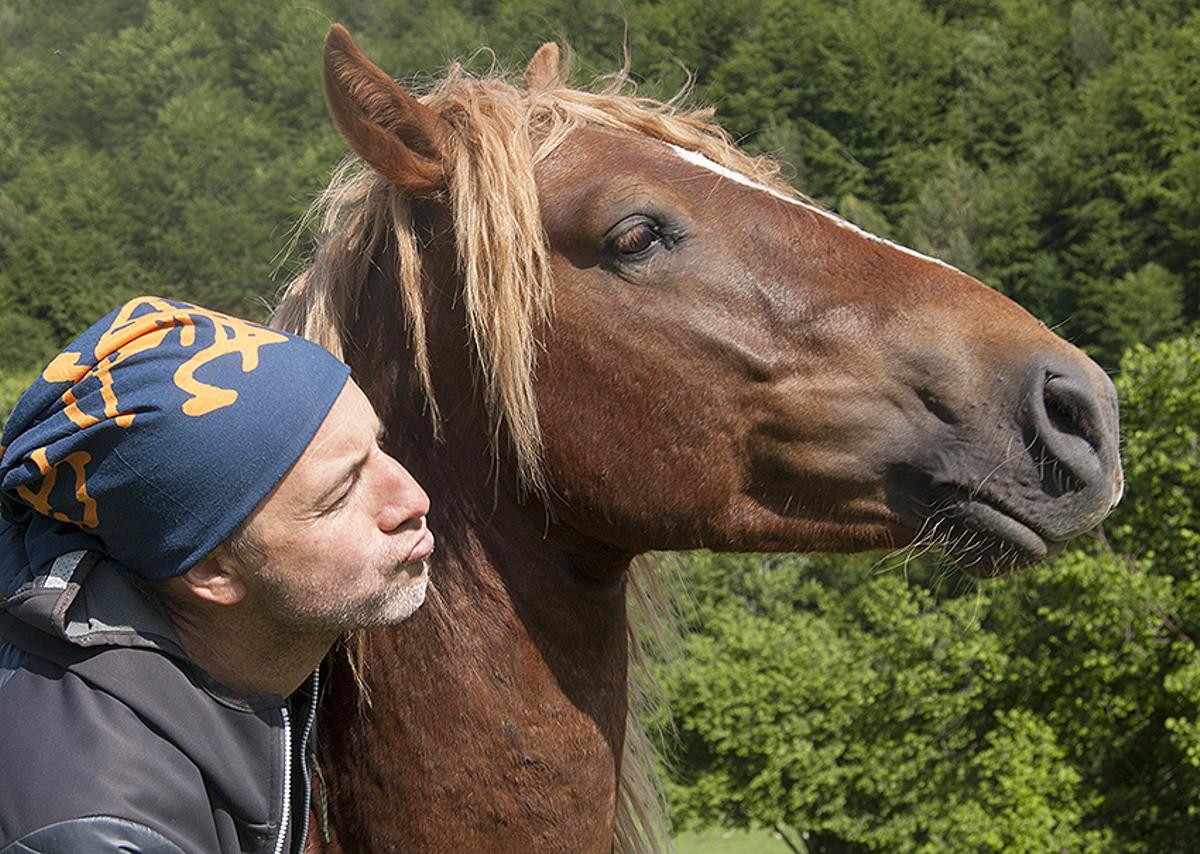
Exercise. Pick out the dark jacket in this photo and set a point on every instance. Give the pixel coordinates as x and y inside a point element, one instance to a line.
<point>111,739</point>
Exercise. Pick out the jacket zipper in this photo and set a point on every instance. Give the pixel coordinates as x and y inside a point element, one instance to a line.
<point>308,728</point>
<point>287,780</point>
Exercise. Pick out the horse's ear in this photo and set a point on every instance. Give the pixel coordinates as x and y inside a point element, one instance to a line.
<point>543,70</point>
<point>402,138</point>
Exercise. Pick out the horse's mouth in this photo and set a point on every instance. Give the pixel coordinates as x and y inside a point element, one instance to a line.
<point>986,537</point>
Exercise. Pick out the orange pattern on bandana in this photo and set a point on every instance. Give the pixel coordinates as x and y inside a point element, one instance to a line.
<point>126,337</point>
<point>156,434</point>
<point>40,500</point>
<point>129,335</point>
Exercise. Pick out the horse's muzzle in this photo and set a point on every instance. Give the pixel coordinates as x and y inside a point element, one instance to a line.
<point>1036,468</point>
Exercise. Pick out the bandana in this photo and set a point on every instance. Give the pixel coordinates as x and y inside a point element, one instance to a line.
<point>155,434</point>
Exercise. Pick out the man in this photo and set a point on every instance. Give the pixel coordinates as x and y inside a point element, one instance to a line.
<point>197,507</point>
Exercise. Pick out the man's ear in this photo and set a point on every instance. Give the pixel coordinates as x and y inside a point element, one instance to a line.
<point>403,139</point>
<point>215,581</point>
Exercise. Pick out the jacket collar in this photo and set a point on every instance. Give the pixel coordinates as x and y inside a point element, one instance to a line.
<point>83,600</point>
<point>108,610</point>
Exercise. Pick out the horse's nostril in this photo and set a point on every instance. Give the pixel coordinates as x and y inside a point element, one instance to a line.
<point>1068,411</point>
<point>1071,423</point>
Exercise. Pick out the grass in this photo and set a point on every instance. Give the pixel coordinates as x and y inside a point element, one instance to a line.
<point>720,841</point>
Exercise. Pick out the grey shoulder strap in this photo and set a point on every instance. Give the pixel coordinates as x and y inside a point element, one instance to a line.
<point>103,834</point>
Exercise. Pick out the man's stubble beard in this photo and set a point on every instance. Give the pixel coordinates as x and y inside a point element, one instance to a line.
<point>396,605</point>
<point>305,612</point>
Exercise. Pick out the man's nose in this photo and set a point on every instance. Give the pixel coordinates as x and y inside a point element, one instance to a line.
<point>404,501</point>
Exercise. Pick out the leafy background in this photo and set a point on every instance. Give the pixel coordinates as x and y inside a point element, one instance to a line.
<point>1050,148</point>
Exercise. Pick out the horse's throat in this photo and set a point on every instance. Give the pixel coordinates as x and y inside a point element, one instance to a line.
<point>496,719</point>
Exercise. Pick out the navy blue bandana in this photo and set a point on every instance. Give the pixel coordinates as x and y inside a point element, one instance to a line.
<point>155,434</point>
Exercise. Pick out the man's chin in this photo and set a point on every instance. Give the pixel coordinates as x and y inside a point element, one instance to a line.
<point>402,601</point>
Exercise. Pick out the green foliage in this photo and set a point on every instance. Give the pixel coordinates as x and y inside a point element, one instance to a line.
<point>871,713</point>
<point>765,704</point>
<point>864,214</point>
<point>25,343</point>
<point>1144,306</point>
<point>1097,675</point>
<point>411,38</point>
<point>1159,520</point>
<point>169,157</point>
<point>852,76</point>
<point>677,38</point>
<point>12,386</point>
<point>944,219</point>
<point>1027,795</point>
<point>1091,48</point>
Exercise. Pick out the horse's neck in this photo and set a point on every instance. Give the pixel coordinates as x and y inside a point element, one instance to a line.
<point>496,716</point>
<point>498,710</point>
<point>523,596</point>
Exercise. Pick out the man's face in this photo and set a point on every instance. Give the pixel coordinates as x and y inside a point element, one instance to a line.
<point>343,535</point>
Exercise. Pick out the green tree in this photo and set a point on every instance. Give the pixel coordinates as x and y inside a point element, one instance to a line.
<point>1144,306</point>
<point>169,157</point>
<point>945,218</point>
<point>853,77</point>
<point>1159,520</point>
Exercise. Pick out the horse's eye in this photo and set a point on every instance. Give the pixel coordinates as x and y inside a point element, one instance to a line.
<point>637,239</point>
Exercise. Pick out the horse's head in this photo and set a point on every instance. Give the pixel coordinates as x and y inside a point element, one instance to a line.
<point>726,364</point>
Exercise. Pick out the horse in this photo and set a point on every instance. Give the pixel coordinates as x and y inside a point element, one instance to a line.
<point>594,327</point>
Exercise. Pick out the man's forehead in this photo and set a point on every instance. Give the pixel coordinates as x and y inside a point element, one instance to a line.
<point>348,420</point>
<point>344,437</point>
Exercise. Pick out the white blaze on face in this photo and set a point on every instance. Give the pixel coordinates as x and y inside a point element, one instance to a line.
<point>700,160</point>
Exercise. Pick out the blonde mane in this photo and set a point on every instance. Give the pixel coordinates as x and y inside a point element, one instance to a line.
<point>502,249</point>
<point>501,131</point>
